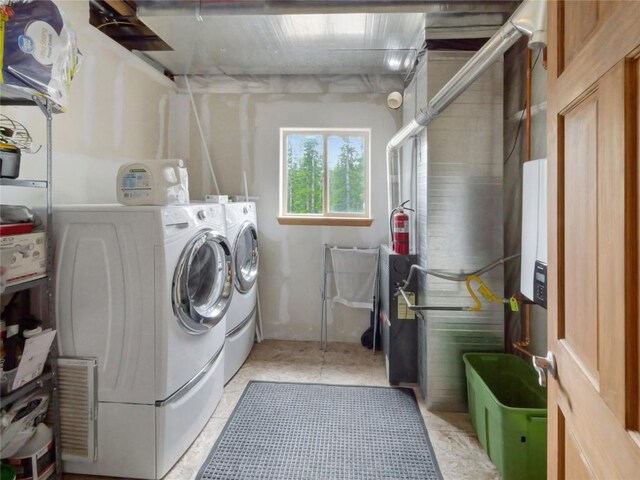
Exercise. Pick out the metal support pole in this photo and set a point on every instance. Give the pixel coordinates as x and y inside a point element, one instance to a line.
<point>323,321</point>
<point>50,293</point>
<point>47,110</point>
<point>376,312</point>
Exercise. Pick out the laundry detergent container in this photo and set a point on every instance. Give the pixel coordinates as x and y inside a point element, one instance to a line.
<point>508,409</point>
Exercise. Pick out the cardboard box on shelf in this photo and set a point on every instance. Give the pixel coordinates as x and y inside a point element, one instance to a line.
<point>23,257</point>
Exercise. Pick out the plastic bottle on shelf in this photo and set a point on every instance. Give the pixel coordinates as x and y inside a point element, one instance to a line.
<point>12,347</point>
<point>32,332</point>
<point>30,326</point>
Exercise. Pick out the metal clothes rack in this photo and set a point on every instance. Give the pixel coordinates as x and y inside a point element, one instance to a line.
<point>327,269</point>
<point>49,379</point>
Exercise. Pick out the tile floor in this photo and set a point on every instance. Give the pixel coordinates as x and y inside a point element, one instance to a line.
<point>457,449</point>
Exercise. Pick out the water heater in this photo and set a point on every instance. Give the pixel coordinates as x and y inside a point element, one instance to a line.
<point>533,268</point>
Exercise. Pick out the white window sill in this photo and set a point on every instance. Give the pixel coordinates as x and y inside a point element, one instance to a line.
<point>326,221</point>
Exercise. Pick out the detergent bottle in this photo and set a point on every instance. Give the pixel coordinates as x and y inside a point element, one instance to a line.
<point>153,182</point>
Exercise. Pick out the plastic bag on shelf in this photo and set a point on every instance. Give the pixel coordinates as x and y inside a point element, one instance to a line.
<point>38,49</point>
<point>19,422</point>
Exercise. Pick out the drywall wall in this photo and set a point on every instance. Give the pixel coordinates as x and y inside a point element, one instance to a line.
<point>118,112</point>
<point>515,154</point>
<point>242,133</point>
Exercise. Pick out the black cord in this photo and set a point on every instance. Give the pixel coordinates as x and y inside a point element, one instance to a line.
<point>515,142</point>
<point>524,110</point>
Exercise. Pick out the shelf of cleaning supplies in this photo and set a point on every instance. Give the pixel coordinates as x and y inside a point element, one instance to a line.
<point>23,183</point>
<point>18,393</point>
<point>18,287</point>
<point>13,96</point>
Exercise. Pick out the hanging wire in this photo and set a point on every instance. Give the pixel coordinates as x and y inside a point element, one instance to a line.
<point>524,110</point>
<point>457,277</point>
<point>116,22</point>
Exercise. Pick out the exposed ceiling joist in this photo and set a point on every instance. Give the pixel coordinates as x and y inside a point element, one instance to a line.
<point>296,37</point>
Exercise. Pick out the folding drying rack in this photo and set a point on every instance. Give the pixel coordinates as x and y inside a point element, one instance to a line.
<point>327,269</point>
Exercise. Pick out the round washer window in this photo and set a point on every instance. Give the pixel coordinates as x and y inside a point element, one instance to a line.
<point>246,258</point>
<point>202,282</point>
<point>205,276</point>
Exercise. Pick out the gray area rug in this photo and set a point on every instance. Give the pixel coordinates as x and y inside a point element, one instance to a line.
<point>293,431</point>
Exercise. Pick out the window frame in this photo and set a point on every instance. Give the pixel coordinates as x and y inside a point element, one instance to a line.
<point>326,217</point>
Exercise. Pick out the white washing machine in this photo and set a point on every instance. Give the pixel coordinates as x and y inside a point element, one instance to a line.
<point>241,317</point>
<point>145,291</point>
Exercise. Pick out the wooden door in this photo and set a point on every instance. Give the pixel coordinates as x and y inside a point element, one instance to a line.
<point>593,110</point>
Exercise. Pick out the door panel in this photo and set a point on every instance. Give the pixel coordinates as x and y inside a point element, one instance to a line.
<point>575,468</point>
<point>580,19</point>
<point>611,236</point>
<point>615,38</point>
<point>637,260</point>
<point>606,7</point>
<point>593,111</point>
<point>580,187</point>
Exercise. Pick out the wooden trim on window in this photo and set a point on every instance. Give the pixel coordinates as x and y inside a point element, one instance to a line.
<point>326,221</point>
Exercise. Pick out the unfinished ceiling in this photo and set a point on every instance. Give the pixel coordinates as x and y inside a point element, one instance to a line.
<point>118,20</point>
<point>290,37</point>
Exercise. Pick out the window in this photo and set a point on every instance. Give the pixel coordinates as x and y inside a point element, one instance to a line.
<point>324,176</point>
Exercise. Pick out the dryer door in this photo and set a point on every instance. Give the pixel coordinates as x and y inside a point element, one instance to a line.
<point>245,257</point>
<point>202,283</point>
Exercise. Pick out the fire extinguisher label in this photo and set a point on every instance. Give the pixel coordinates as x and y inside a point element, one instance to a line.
<point>402,229</point>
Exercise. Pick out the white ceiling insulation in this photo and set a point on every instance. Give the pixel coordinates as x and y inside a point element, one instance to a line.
<point>278,37</point>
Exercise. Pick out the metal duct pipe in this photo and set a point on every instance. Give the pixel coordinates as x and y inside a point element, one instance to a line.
<point>289,7</point>
<point>529,19</point>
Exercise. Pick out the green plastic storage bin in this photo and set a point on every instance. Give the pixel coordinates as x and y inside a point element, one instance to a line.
<point>508,409</point>
<point>7,473</point>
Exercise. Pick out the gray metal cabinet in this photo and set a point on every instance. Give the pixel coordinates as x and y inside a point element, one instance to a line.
<point>399,336</point>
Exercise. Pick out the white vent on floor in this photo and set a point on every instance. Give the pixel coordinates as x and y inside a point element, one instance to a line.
<point>77,386</point>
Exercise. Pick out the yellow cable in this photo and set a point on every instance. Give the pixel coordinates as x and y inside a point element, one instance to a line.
<point>478,304</point>
<point>484,290</point>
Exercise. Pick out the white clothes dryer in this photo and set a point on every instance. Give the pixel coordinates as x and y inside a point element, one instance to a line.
<point>242,231</point>
<point>145,291</point>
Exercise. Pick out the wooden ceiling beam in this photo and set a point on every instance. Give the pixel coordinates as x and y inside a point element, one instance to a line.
<point>121,7</point>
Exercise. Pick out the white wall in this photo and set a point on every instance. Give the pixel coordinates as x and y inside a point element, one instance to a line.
<point>118,112</point>
<point>243,135</point>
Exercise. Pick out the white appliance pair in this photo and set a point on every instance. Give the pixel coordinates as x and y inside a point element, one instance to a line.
<point>145,291</point>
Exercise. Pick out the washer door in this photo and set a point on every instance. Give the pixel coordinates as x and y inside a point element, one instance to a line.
<point>245,257</point>
<point>202,283</point>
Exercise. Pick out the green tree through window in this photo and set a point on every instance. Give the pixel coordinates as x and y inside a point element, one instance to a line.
<point>347,175</point>
<point>325,172</point>
<point>305,170</point>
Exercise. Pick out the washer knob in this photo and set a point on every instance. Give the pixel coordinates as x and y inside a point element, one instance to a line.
<point>202,214</point>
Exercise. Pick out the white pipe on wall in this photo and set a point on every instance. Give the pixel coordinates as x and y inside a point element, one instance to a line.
<point>529,19</point>
<point>205,147</point>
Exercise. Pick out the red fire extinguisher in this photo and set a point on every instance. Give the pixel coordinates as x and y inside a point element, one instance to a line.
<point>400,230</point>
